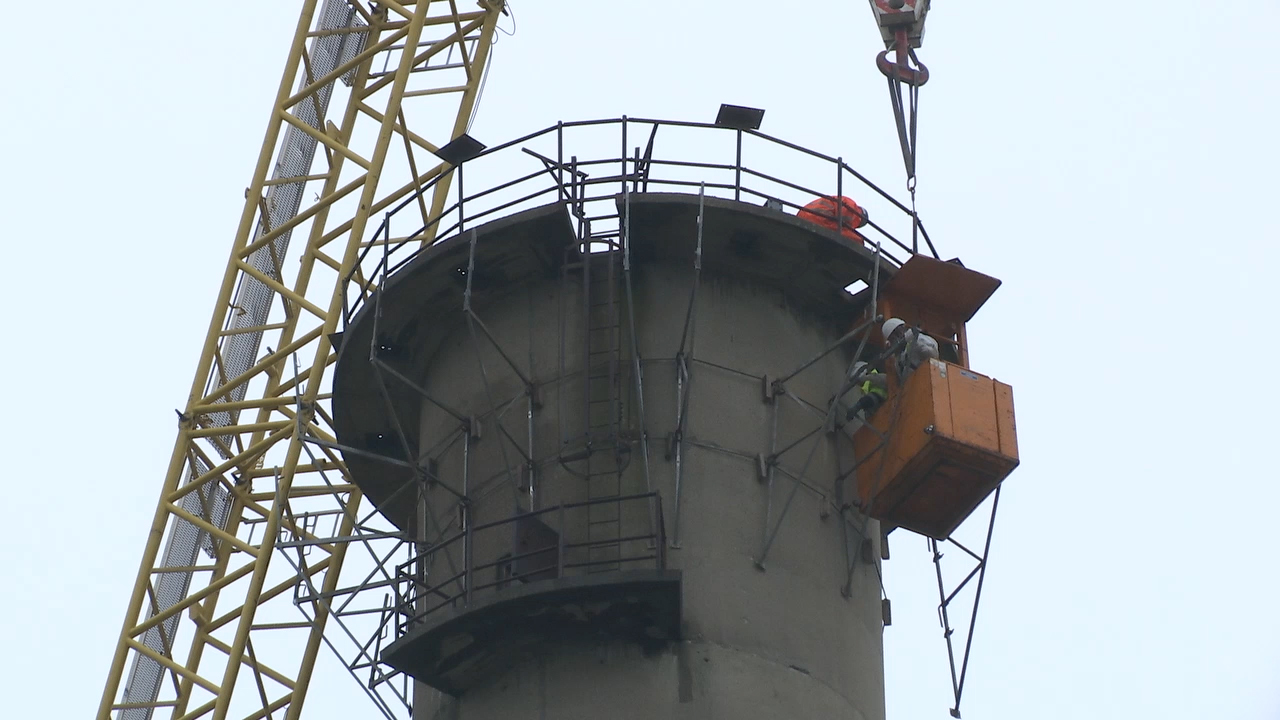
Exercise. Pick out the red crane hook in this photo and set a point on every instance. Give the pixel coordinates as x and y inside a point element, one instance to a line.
<point>901,70</point>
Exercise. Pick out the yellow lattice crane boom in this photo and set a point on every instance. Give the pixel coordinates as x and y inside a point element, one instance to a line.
<point>370,91</point>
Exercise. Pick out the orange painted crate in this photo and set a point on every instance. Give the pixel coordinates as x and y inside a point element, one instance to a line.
<point>952,441</point>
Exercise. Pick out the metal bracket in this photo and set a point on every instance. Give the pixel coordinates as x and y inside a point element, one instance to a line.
<point>946,598</point>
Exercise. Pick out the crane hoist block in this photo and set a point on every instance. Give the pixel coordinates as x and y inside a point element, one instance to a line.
<point>936,449</point>
<point>908,15</point>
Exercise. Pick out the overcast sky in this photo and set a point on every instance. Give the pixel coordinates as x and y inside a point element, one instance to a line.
<point>1113,165</point>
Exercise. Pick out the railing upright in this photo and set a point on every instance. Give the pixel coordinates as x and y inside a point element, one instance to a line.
<point>840,195</point>
<point>560,545</point>
<point>737,170</point>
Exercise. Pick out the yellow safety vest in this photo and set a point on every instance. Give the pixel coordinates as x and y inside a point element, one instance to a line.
<point>869,389</point>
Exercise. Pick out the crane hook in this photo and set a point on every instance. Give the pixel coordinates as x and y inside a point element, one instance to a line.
<point>901,70</point>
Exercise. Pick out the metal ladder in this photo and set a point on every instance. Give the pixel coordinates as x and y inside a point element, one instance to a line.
<point>603,458</point>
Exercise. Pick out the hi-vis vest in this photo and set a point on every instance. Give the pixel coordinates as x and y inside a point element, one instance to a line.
<point>870,389</point>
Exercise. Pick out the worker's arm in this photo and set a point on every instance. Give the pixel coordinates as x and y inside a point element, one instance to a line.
<point>877,381</point>
<point>925,347</point>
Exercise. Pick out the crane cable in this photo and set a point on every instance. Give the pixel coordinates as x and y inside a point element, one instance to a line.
<point>484,77</point>
<point>908,71</point>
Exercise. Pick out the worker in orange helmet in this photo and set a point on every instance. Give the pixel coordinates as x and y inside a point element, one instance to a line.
<point>842,214</point>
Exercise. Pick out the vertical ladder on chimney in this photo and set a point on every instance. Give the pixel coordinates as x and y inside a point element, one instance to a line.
<point>600,459</point>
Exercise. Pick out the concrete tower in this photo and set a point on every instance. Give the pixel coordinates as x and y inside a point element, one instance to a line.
<point>620,466</point>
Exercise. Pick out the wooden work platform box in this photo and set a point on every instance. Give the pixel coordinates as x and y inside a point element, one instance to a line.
<point>936,449</point>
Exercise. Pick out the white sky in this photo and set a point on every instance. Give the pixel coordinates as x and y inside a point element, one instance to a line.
<point>1114,165</point>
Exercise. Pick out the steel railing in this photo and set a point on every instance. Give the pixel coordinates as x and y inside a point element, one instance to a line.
<point>556,173</point>
<point>422,588</point>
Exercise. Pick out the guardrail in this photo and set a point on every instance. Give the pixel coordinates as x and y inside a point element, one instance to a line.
<point>547,167</point>
<point>549,543</point>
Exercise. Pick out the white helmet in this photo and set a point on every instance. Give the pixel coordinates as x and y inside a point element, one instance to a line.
<point>857,368</point>
<point>889,326</point>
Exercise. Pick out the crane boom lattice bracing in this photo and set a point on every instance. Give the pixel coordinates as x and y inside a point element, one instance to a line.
<point>200,634</point>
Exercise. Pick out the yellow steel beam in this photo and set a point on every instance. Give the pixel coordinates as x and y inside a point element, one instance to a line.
<point>275,358</point>
<point>432,50</point>
<point>248,455</point>
<point>178,459</point>
<point>191,599</point>
<point>413,33</point>
<point>198,712</point>
<point>365,55</point>
<point>326,140</point>
<point>265,450</point>
<point>280,288</point>
<point>254,404</point>
<point>169,664</point>
<point>237,429</point>
<point>325,201</point>
<point>466,106</point>
<point>260,667</point>
<point>274,706</point>
<point>213,530</point>
<point>279,589</point>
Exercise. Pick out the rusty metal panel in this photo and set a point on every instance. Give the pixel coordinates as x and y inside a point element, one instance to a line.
<point>954,290</point>
<point>536,550</point>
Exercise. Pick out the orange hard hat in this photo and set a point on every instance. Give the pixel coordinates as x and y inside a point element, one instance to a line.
<point>836,213</point>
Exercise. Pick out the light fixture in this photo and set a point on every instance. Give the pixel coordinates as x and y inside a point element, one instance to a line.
<point>739,117</point>
<point>460,149</point>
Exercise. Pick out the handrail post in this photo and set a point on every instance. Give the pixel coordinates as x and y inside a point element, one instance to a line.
<point>461,218</point>
<point>560,545</point>
<point>662,533</point>
<point>622,173</point>
<point>840,195</point>
<point>398,609</point>
<point>467,555</point>
<point>737,170</point>
<point>560,152</point>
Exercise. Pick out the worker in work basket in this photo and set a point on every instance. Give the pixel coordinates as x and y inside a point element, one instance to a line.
<point>873,389</point>
<point>837,213</point>
<point>914,347</point>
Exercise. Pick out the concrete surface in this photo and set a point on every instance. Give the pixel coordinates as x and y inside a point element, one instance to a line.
<point>777,642</point>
